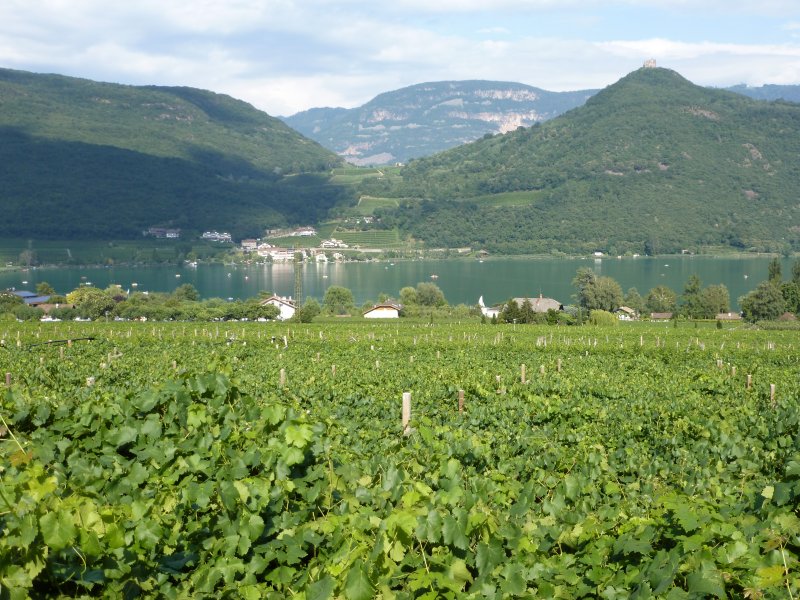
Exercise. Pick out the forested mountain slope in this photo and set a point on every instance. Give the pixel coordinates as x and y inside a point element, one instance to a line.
<point>80,158</point>
<point>651,164</point>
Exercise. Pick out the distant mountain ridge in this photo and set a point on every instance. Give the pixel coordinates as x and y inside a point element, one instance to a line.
<point>423,119</point>
<point>426,118</point>
<point>651,164</point>
<point>79,158</point>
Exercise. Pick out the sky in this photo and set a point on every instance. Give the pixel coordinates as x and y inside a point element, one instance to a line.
<point>284,56</point>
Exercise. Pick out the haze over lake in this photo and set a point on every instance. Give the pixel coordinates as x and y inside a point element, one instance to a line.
<point>462,281</point>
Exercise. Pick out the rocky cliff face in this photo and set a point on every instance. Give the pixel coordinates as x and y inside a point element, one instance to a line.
<point>427,118</point>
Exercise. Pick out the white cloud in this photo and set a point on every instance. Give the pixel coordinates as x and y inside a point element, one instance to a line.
<point>288,55</point>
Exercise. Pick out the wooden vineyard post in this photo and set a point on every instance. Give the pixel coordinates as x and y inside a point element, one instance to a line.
<point>749,381</point>
<point>558,365</point>
<point>733,371</point>
<point>461,402</point>
<point>61,352</point>
<point>283,377</point>
<point>406,413</point>
<point>522,373</point>
<point>541,369</point>
<point>772,402</point>
<point>8,379</point>
<point>333,371</point>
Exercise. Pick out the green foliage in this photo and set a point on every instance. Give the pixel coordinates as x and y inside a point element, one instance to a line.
<point>106,160</point>
<point>652,164</point>
<point>634,300</point>
<point>429,294</point>
<point>307,312</point>
<point>182,469</point>
<point>186,292</point>
<point>597,293</point>
<point>45,289</point>
<point>338,300</point>
<point>774,275</point>
<point>765,303</point>
<point>91,302</point>
<point>661,299</point>
<point>603,318</point>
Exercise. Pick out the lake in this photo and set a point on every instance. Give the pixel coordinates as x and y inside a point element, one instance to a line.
<point>461,280</point>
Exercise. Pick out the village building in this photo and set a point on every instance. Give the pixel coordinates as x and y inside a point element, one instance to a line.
<point>729,316</point>
<point>333,243</point>
<point>539,305</point>
<point>286,305</point>
<point>660,316</point>
<point>249,245</point>
<point>625,313</point>
<point>216,236</point>
<point>386,310</point>
<point>31,298</point>
<point>163,233</point>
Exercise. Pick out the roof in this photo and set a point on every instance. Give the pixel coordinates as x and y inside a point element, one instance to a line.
<point>627,310</point>
<point>24,293</point>
<point>661,316</point>
<point>540,304</point>
<point>390,305</point>
<point>729,316</point>
<point>280,300</point>
<point>34,300</point>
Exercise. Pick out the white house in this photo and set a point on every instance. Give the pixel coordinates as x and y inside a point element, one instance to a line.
<point>383,311</point>
<point>488,312</point>
<point>285,305</point>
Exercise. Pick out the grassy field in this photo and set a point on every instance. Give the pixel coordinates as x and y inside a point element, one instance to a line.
<point>370,239</point>
<point>368,204</point>
<point>352,175</point>
<point>508,198</point>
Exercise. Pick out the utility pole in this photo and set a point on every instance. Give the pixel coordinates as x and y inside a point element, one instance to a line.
<point>298,279</point>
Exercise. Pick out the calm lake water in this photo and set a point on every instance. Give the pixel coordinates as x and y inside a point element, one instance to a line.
<point>496,279</point>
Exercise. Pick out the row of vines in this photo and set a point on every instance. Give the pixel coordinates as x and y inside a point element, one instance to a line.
<point>265,461</point>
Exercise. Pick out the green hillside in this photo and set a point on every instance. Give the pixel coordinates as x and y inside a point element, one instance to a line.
<point>99,159</point>
<point>651,164</point>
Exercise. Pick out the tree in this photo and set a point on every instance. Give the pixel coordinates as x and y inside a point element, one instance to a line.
<point>774,271</point>
<point>634,300</point>
<point>91,302</point>
<point>429,294</point>
<point>338,300</point>
<point>186,293</point>
<point>511,312</point>
<point>9,302</point>
<point>607,295</point>
<point>597,293</point>
<point>691,305</point>
<point>307,312</point>
<point>714,299</point>
<point>408,296</point>
<point>584,281</point>
<point>45,289</point>
<point>660,299</point>
<point>603,318</point>
<point>796,272</point>
<point>27,258</point>
<point>791,296</point>
<point>765,303</point>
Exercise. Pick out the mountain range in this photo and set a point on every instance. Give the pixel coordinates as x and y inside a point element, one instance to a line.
<point>423,119</point>
<point>83,159</point>
<point>651,164</point>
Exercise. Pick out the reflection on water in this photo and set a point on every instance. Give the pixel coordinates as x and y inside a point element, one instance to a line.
<point>460,280</point>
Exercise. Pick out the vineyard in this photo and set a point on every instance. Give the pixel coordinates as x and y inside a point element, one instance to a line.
<point>271,461</point>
